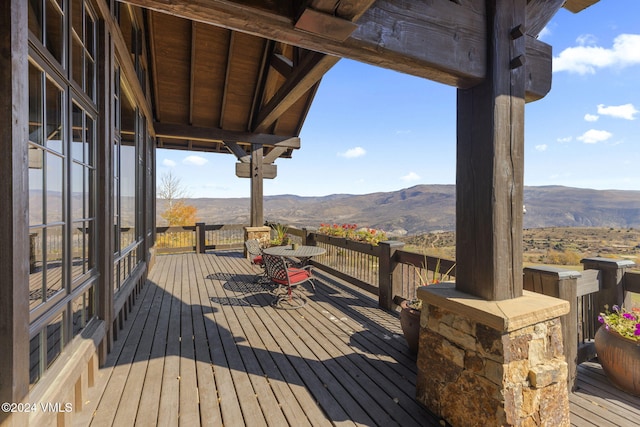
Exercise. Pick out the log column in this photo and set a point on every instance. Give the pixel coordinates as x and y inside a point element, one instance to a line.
<point>257,185</point>
<point>14,192</point>
<point>489,353</point>
<point>490,163</point>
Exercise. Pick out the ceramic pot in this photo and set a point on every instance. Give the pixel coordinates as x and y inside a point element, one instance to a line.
<point>620,360</point>
<point>410,323</point>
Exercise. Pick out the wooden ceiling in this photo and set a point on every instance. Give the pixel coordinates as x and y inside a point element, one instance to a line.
<point>226,74</point>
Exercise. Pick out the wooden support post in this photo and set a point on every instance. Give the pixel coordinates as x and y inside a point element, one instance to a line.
<point>14,198</point>
<point>390,279</point>
<point>257,183</point>
<point>490,164</point>
<point>105,234</point>
<point>612,272</point>
<point>201,244</point>
<point>563,284</point>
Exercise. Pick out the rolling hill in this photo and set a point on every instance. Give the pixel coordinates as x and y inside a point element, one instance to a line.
<point>425,208</point>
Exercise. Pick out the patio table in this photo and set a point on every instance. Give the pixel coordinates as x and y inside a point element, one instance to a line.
<point>301,251</point>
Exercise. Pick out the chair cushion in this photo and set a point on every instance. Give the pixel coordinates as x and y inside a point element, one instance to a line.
<point>258,260</point>
<point>297,275</point>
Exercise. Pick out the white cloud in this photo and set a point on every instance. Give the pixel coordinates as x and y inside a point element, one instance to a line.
<point>587,40</point>
<point>626,111</point>
<point>541,147</point>
<point>168,163</point>
<point>411,176</point>
<point>354,152</point>
<point>591,117</point>
<point>195,161</point>
<point>565,139</point>
<point>594,136</point>
<point>585,59</point>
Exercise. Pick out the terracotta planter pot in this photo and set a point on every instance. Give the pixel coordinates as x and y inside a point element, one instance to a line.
<point>620,360</point>
<point>410,323</point>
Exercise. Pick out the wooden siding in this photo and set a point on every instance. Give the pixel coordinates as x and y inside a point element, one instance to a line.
<point>204,347</point>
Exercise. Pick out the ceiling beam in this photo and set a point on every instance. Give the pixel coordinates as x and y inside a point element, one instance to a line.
<point>305,74</point>
<point>192,71</point>
<point>439,40</point>
<point>194,133</point>
<point>539,13</point>
<point>576,6</point>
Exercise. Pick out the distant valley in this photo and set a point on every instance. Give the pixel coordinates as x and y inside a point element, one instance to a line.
<point>426,208</point>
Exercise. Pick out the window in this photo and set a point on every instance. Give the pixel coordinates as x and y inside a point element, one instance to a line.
<point>62,173</point>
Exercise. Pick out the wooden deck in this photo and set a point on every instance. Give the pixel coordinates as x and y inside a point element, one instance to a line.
<point>203,346</point>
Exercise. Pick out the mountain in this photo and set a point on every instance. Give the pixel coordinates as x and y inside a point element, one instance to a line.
<point>426,208</point>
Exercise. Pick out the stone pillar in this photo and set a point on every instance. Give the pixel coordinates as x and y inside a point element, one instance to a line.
<point>492,362</point>
<point>263,234</point>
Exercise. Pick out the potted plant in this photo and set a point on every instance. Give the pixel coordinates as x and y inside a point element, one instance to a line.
<point>410,322</point>
<point>281,237</point>
<point>410,310</point>
<point>617,344</point>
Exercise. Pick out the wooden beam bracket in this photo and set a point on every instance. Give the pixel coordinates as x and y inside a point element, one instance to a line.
<point>325,25</point>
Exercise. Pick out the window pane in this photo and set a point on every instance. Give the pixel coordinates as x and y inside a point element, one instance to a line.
<point>54,39</point>
<point>54,196</point>
<point>35,18</point>
<point>91,232</point>
<point>90,141</point>
<point>34,358</point>
<point>79,248</point>
<point>54,131</point>
<point>55,266</point>
<point>36,177</point>
<point>77,134</point>
<point>36,130</point>
<point>36,277</point>
<point>55,338</point>
<point>89,76</point>
<point>77,191</point>
<point>77,59</point>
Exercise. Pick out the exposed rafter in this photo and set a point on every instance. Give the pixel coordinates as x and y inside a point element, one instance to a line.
<point>192,66</point>
<point>194,133</point>
<point>226,80</point>
<point>304,76</point>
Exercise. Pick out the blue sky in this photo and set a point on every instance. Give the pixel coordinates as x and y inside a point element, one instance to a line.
<point>371,129</point>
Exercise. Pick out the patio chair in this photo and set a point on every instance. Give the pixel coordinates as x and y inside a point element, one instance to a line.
<point>287,278</point>
<point>255,254</point>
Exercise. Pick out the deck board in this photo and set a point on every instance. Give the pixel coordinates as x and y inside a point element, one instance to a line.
<point>203,346</point>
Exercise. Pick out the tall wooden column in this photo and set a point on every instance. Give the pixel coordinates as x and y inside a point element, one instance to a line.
<point>14,193</point>
<point>490,163</point>
<point>104,215</point>
<point>257,185</point>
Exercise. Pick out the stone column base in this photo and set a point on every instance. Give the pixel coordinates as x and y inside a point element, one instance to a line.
<point>492,362</point>
<point>262,233</point>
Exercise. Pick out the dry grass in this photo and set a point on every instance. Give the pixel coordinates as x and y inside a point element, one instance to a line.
<point>564,246</point>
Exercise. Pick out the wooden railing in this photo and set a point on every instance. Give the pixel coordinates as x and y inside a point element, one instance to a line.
<point>602,282</point>
<point>199,238</point>
<point>384,270</point>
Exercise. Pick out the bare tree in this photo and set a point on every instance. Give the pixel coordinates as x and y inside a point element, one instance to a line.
<point>171,189</point>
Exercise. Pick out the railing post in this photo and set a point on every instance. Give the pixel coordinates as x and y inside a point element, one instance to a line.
<point>201,244</point>
<point>310,238</point>
<point>611,291</point>
<point>390,279</point>
<point>562,284</point>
